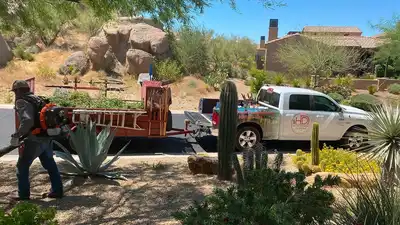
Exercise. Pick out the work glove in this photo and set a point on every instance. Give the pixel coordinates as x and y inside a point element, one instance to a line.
<point>14,140</point>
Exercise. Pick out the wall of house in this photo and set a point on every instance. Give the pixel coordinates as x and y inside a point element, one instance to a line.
<point>363,84</point>
<point>272,60</point>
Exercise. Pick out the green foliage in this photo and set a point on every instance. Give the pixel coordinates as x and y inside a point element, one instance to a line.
<point>92,150</point>
<point>337,161</point>
<point>387,57</point>
<point>83,100</point>
<point>371,204</point>
<point>19,52</point>
<point>384,139</point>
<point>214,57</point>
<point>394,89</point>
<point>364,101</point>
<point>28,214</point>
<point>315,144</point>
<point>315,57</point>
<point>88,22</point>
<point>227,129</point>
<point>344,82</point>
<point>296,83</point>
<point>330,88</point>
<point>278,79</point>
<point>216,78</point>
<point>372,89</point>
<point>256,154</point>
<point>39,18</point>
<point>337,97</point>
<point>168,69</point>
<point>269,197</point>
<point>191,49</point>
<point>259,78</point>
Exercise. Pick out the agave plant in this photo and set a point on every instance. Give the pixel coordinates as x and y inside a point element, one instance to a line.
<point>384,139</point>
<point>92,150</point>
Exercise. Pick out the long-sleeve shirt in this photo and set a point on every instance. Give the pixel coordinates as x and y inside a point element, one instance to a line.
<point>26,116</point>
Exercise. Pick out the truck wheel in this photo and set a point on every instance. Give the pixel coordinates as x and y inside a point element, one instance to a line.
<point>247,137</point>
<point>354,138</point>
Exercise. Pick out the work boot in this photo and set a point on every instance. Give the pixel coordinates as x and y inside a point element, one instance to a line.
<point>54,195</point>
<point>16,197</point>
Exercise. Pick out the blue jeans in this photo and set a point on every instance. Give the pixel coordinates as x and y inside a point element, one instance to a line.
<point>37,147</point>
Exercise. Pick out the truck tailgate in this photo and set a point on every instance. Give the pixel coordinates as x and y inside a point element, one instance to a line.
<point>199,118</point>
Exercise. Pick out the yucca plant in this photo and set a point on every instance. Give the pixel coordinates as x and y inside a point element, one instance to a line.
<point>384,140</point>
<point>92,150</point>
<point>371,204</point>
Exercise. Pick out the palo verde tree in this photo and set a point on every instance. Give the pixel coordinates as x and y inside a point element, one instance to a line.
<point>45,18</point>
<point>387,57</point>
<point>319,55</point>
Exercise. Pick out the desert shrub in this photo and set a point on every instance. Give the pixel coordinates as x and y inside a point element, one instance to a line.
<point>295,83</point>
<point>364,101</point>
<point>29,214</point>
<point>346,102</point>
<point>375,203</point>
<point>45,72</point>
<point>337,97</point>
<point>83,99</point>
<point>342,90</point>
<point>278,79</point>
<point>19,52</point>
<point>369,76</point>
<point>215,78</point>
<point>337,160</point>
<point>346,81</point>
<point>270,196</point>
<point>372,89</point>
<point>381,69</point>
<point>87,22</point>
<point>169,70</point>
<point>258,79</point>
<point>394,89</point>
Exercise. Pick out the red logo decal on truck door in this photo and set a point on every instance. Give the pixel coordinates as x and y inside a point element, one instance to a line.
<point>300,123</point>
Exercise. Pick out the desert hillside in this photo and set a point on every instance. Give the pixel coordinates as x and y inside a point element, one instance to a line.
<point>47,63</point>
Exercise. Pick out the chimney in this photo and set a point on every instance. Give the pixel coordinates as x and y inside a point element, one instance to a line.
<point>262,42</point>
<point>273,29</point>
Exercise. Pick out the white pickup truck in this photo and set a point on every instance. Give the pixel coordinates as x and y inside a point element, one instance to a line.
<point>287,113</point>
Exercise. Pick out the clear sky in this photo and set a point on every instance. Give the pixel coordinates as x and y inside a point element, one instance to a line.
<point>252,20</point>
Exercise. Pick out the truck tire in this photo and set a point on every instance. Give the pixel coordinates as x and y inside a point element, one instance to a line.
<point>354,138</point>
<point>247,137</point>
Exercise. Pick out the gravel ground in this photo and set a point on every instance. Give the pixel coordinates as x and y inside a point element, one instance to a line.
<point>156,187</point>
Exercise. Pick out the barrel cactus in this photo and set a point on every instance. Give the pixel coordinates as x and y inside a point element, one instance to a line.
<point>227,129</point>
<point>315,144</point>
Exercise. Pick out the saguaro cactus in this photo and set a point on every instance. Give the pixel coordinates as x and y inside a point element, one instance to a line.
<point>227,129</point>
<point>315,144</point>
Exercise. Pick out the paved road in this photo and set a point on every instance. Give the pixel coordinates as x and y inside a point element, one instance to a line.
<point>170,145</point>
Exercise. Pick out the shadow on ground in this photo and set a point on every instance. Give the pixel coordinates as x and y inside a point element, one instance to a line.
<point>151,194</point>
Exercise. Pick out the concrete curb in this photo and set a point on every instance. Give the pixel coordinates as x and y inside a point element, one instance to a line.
<point>10,158</point>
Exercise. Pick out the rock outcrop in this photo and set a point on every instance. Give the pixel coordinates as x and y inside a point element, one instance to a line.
<point>77,63</point>
<point>203,165</point>
<point>5,52</point>
<point>127,46</point>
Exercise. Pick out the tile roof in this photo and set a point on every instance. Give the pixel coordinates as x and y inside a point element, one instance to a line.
<point>349,41</point>
<point>331,29</point>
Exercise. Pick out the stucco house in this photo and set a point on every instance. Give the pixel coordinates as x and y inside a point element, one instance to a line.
<point>345,36</point>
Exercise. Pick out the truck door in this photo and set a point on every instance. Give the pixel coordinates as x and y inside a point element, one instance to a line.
<point>296,121</point>
<point>327,114</point>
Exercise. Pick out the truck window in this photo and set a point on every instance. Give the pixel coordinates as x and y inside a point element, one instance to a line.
<point>299,102</point>
<point>270,98</point>
<point>324,104</point>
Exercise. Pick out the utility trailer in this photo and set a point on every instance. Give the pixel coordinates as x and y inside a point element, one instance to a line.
<point>154,120</point>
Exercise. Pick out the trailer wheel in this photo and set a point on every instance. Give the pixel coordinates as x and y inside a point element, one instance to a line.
<point>247,137</point>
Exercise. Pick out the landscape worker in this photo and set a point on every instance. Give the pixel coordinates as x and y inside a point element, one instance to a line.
<point>35,144</point>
